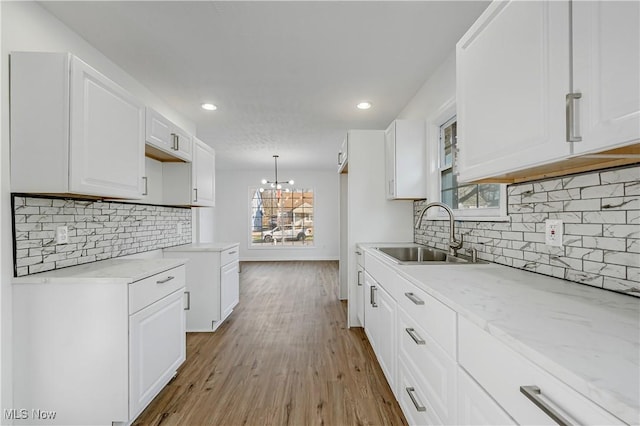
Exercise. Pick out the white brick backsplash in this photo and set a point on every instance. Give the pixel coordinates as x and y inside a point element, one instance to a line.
<point>621,258</point>
<point>579,181</point>
<point>601,216</point>
<point>583,229</point>
<point>603,191</point>
<point>97,231</point>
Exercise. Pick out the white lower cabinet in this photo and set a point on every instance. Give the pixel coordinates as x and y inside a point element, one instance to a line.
<point>507,375</point>
<point>212,283</point>
<point>380,311</point>
<point>476,407</point>
<point>96,350</point>
<point>156,349</point>
<point>229,288</point>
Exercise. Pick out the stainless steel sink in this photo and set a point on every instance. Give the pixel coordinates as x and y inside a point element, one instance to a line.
<point>421,255</point>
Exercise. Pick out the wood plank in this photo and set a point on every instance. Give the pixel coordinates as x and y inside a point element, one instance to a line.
<point>284,357</point>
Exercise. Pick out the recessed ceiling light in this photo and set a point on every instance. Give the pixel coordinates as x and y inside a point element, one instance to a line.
<point>364,105</point>
<point>209,107</point>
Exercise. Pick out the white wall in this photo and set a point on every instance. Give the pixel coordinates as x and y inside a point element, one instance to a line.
<point>232,216</point>
<point>434,103</point>
<point>26,26</point>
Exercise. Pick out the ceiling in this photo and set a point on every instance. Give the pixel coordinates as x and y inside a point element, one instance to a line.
<point>286,76</point>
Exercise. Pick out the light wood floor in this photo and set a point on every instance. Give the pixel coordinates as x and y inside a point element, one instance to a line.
<point>284,357</point>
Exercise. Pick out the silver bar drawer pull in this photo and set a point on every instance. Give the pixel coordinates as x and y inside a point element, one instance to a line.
<point>533,393</point>
<point>411,391</point>
<point>232,252</point>
<point>372,296</point>
<point>166,280</point>
<point>359,276</point>
<point>415,299</point>
<point>188,307</point>
<point>416,338</point>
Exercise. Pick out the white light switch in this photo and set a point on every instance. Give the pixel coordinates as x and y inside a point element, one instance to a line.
<point>553,232</point>
<point>62,235</point>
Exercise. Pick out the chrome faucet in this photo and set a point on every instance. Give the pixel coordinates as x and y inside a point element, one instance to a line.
<point>454,245</point>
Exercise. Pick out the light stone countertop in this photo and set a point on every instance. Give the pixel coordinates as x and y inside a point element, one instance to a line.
<point>587,337</point>
<point>202,247</point>
<point>117,271</point>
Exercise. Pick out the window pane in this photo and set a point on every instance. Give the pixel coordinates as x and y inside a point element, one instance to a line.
<point>447,197</point>
<point>447,142</point>
<point>468,197</point>
<point>489,195</point>
<point>281,218</point>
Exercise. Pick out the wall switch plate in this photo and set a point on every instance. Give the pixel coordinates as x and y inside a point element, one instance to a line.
<point>553,232</point>
<point>62,235</point>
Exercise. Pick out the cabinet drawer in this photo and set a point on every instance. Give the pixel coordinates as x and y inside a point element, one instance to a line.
<point>501,372</point>
<point>412,399</point>
<point>431,315</point>
<point>437,371</point>
<point>149,290</point>
<point>229,255</point>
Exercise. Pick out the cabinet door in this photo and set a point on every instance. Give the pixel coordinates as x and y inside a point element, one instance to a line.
<point>157,348</point>
<point>229,288</point>
<point>182,145</point>
<point>204,172</point>
<point>360,294</point>
<point>380,314</point>
<point>390,160</point>
<point>475,406</point>
<point>512,78</point>
<point>106,136</point>
<point>606,70</point>
<point>158,130</point>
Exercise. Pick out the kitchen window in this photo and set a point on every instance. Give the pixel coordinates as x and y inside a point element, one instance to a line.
<point>281,218</point>
<point>465,199</point>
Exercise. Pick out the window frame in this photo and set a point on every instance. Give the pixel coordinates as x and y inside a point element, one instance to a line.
<point>279,246</point>
<point>434,185</point>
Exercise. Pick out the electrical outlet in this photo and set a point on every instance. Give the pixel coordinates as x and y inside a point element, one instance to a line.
<point>62,235</point>
<point>553,232</point>
<point>179,228</point>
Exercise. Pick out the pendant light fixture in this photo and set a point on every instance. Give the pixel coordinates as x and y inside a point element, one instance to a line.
<point>276,184</point>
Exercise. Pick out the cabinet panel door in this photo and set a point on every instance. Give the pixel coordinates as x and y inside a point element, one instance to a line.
<point>204,170</point>
<point>512,78</point>
<point>184,144</point>
<point>106,136</point>
<point>390,160</point>
<point>475,406</point>
<point>157,348</point>
<point>158,130</point>
<point>229,288</point>
<point>386,332</point>
<point>360,294</point>
<point>606,70</point>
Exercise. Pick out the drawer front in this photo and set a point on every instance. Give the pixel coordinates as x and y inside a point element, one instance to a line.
<point>501,372</point>
<point>431,315</point>
<point>149,290</point>
<point>436,371</point>
<point>412,399</point>
<point>229,255</point>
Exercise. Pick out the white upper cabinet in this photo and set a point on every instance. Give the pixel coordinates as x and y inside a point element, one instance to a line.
<point>405,159</point>
<point>165,140</point>
<point>606,72</point>
<point>191,184</point>
<point>204,172</point>
<point>516,112</point>
<point>73,131</point>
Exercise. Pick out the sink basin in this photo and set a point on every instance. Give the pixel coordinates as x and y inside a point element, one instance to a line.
<point>421,255</point>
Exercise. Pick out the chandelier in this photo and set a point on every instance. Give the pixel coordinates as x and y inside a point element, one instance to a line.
<point>276,184</point>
